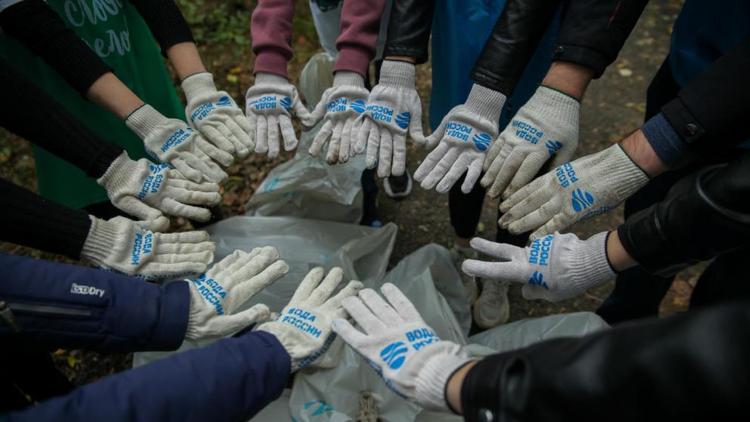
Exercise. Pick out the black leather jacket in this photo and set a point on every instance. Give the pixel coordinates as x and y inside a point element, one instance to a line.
<point>689,367</point>
<point>506,53</point>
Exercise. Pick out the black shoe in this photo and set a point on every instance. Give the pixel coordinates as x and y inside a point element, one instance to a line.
<point>398,187</point>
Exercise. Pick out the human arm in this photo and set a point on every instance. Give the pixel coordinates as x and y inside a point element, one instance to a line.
<point>230,380</point>
<point>695,362</point>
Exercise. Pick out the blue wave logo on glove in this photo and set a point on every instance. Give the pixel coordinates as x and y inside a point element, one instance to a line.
<point>553,146</point>
<point>403,119</point>
<point>358,106</point>
<point>224,102</point>
<point>286,102</point>
<point>394,354</point>
<point>537,279</point>
<point>582,200</point>
<point>482,141</point>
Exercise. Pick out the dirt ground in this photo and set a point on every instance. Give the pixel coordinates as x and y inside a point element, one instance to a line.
<point>613,106</point>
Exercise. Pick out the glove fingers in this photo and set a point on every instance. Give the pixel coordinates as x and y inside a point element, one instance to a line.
<point>161,270</point>
<point>200,258</point>
<point>184,237</point>
<point>176,180</point>
<point>415,124</point>
<point>241,138</point>
<point>501,251</point>
<point>509,167</point>
<point>185,248</point>
<point>287,133</point>
<point>254,260</point>
<point>233,323</point>
<point>301,111</point>
<point>362,314</point>
<point>455,166</point>
<point>347,332</point>
<point>211,171</point>
<point>429,162</point>
<point>523,194</point>
<point>186,170</point>
<point>190,197</point>
<point>321,138</point>
<point>399,155</point>
<point>373,146</point>
<point>441,167</point>
<point>382,310</point>
<point>326,287</point>
<point>525,173</point>
<point>364,131</point>
<point>499,271</point>
<point>346,141</point>
<point>222,157</point>
<point>557,223</point>
<point>246,127</point>
<point>244,290</point>
<point>472,175</point>
<point>534,219</point>
<point>351,289</point>
<point>179,209</point>
<point>218,269</point>
<point>386,151</point>
<point>400,302</point>
<point>317,113</point>
<point>437,135</point>
<point>493,152</point>
<point>274,138</point>
<point>334,145</point>
<point>215,137</point>
<point>135,207</point>
<point>261,135</point>
<point>530,203</point>
<point>307,285</point>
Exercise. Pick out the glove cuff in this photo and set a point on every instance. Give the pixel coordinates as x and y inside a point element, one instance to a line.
<point>100,241</point>
<point>554,105</point>
<point>198,84</point>
<point>144,120</point>
<point>263,78</point>
<point>622,169</point>
<point>346,78</point>
<point>119,173</point>
<point>590,266</point>
<point>485,102</point>
<point>396,73</point>
<point>441,360</point>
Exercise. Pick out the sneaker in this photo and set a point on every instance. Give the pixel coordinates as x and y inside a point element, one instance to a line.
<point>492,307</point>
<point>398,187</point>
<point>459,255</point>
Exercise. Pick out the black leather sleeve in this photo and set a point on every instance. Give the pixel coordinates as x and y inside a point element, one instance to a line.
<point>705,214</point>
<point>28,219</point>
<point>165,21</point>
<point>512,43</point>
<point>594,31</point>
<point>31,113</point>
<point>40,29</point>
<point>409,29</point>
<point>688,367</point>
<point>711,112</point>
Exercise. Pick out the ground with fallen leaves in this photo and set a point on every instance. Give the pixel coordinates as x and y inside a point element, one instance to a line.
<point>613,107</point>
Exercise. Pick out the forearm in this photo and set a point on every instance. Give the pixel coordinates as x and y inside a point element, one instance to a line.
<point>271,33</point>
<point>640,151</point>
<point>28,219</point>
<point>123,314</point>
<point>512,43</point>
<point>165,21</point>
<point>569,78</point>
<point>185,59</point>
<point>110,93</point>
<point>409,29</point>
<point>358,38</point>
<point>53,129</point>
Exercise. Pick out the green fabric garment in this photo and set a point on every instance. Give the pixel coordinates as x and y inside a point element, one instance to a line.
<point>116,33</point>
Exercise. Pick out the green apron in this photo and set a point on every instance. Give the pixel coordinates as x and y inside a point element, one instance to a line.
<point>115,31</point>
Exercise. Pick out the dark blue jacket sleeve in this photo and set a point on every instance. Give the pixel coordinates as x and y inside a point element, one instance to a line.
<point>59,305</point>
<point>230,380</point>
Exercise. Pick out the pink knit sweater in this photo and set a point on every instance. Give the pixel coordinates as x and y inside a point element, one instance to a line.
<point>271,32</point>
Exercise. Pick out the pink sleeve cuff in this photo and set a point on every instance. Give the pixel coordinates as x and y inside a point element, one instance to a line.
<point>353,59</point>
<point>271,62</point>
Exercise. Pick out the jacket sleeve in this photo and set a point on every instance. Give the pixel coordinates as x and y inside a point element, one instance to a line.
<point>28,219</point>
<point>358,38</point>
<point>409,29</point>
<point>165,21</point>
<point>593,31</point>
<point>58,305</point>
<point>704,215</point>
<point>688,367</point>
<point>31,113</point>
<point>41,30</point>
<point>230,380</point>
<point>271,33</point>
<point>512,43</point>
<point>709,114</point>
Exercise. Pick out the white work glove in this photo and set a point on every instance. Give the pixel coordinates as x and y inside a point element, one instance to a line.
<point>404,350</point>
<point>464,136</point>
<point>342,104</point>
<point>392,107</point>
<point>124,246</point>
<point>216,116</point>
<point>304,326</point>
<point>216,295</point>
<point>146,190</point>
<point>575,191</point>
<point>268,106</point>
<point>554,268</point>
<point>545,128</point>
<point>172,141</point>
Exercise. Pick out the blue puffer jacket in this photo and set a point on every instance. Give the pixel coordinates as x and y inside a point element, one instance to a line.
<point>63,305</point>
